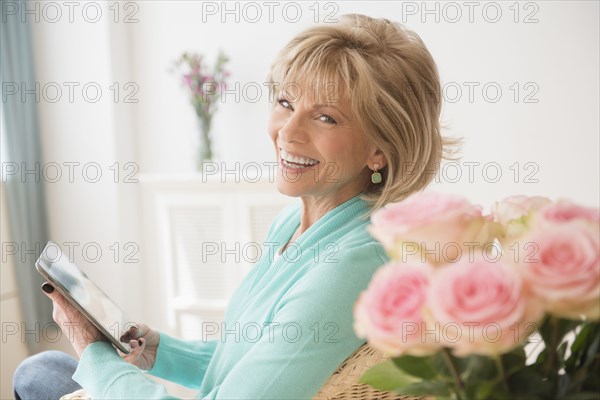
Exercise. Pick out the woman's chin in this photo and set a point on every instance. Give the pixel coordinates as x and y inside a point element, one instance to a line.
<point>286,190</point>
<point>290,188</point>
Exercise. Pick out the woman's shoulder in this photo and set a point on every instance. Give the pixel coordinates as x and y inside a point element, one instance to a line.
<point>358,248</point>
<point>348,246</point>
<point>353,237</point>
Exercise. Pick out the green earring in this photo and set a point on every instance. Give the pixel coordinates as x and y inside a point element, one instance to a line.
<point>376,176</point>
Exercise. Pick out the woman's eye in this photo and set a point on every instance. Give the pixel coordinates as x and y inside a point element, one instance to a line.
<point>284,103</point>
<point>327,119</point>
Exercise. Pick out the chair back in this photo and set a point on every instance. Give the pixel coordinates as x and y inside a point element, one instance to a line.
<point>343,383</point>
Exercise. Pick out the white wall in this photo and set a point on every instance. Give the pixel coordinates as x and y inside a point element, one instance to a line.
<point>559,54</point>
<point>81,140</point>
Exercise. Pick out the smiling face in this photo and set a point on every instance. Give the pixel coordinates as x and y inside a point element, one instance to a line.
<point>320,148</point>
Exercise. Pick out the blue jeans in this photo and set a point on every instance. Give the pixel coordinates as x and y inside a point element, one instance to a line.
<point>45,376</point>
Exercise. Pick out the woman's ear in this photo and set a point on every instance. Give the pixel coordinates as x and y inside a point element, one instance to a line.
<point>376,157</point>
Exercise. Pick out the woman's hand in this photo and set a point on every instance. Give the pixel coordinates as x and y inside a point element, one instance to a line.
<point>144,344</point>
<point>80,332</point>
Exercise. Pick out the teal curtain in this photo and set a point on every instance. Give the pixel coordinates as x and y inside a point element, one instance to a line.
<point>24,194</point>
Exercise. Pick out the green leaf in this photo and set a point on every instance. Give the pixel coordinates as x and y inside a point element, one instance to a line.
<point>514,360</point>
<point>421,367</point>
<point>578,348</point>
<point>541,358</point>
<point>582,396</point>
<point>480,389</point>
<point>562,386</point>
<point>577,377</point>
<point>530,382</point>
<point>583,364</point>
<point>425,388</point>
<point>545,329</point>
<point>386,376</point>
<point>560,353</point>
<point>479,368</point>
<point>594,347</point>
<point>484,390</point>
<point>482,378</point>
<point>440,365</point>
<point>563,326</point>
<point>592,383</point>
<point>585,379</point>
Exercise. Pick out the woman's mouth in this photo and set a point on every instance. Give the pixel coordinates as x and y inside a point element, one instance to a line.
<point>298,163</point>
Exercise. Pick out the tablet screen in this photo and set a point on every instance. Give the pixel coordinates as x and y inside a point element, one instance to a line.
<point>85,293</point>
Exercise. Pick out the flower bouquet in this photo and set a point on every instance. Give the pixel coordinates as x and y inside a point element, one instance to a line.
<point>474,306</point>
<point>205,87</point>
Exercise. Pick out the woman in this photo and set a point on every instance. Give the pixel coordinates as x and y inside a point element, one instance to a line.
<point>354,125</point>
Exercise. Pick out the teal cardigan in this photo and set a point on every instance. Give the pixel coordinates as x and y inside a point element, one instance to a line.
<point>287,327</point>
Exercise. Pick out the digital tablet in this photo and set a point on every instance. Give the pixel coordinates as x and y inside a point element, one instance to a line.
<point>84,294</point>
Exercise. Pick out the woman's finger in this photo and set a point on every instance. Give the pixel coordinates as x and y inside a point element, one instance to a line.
<point>56,297</point>
<point>136,351</point>
<point>142,330</point>
<point>136,344</point>
<point>131,333</point>
<point>60,306</point>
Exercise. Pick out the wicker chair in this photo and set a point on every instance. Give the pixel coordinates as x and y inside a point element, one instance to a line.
<point>342,384</point>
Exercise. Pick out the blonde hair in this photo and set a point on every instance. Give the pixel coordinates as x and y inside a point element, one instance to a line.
<point>393,86</point>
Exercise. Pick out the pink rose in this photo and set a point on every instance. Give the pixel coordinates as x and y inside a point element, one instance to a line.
<point>514,214</point>
<point>437,228</point>
<point>389,314</point>
<point>515,207</point>
<point>481,307</point>
<point>565,211</point>
<point>562,267</point>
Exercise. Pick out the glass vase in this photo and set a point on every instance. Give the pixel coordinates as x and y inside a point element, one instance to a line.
<point>204,151</point>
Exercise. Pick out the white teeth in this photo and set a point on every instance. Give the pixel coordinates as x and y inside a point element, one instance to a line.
<point>298,160</point>
<point>294,166</point>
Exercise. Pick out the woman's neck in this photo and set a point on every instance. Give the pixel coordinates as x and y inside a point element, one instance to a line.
<point>313,208</point>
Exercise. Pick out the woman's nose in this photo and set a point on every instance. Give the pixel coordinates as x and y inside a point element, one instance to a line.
<point>293,130</point>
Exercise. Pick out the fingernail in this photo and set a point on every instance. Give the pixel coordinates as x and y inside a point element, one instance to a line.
<point>48,288</point>
<point>140,342</point>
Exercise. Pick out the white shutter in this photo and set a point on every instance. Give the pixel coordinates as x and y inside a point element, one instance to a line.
<point>187,220</point>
